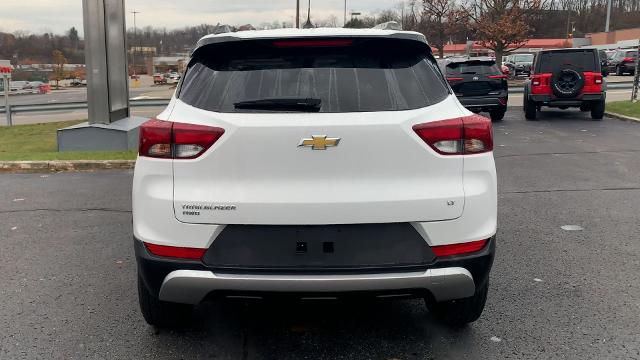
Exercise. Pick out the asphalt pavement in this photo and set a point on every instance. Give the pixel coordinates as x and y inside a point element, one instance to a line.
<point>68,289</point>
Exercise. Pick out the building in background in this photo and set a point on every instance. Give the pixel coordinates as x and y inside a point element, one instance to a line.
<point>474,48</point>
<point>166,64</point>
<point>139,57</point>
<point>615,39</point>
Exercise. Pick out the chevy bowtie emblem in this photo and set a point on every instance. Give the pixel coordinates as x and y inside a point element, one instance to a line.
<point>319,142</point>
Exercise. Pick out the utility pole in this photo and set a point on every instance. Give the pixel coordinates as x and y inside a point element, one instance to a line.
<point>606,26</point>
<point>135,40</point>
<point>345,14</point>
<point>298,14</point>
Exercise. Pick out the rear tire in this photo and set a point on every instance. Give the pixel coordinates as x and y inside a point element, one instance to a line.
<point>161,313</point>
<point>497,114</point>
<point>530,109</point>
<point>597,110</point>
<point>461,311</point>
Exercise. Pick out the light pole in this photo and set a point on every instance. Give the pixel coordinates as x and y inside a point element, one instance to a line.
<point>345,13</point>
<point>297,14</point>
<point>606,26</point>
<point>135,38</point>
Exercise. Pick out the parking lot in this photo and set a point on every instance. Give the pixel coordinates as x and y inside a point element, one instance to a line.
<point>68,286</point>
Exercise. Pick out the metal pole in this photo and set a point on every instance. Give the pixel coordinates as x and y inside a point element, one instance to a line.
<point>135,38</point>
<point>606,26</point>
<point>345,14</point>
<point>636,78</point>
<point>7,106</point>
<point>297,14</point>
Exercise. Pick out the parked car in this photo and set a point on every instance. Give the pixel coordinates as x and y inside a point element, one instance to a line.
<point>479,85</point>
<point>23,87</point>
<point>78,82</point>
<point>314,163</point>
<point>624,62</point>
<point>566,78</point>
<point>519,64</point>
<point>604,62</point>
<point>172,78</point>
<point>159,79</point>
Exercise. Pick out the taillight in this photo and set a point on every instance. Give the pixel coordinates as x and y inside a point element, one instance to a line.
<point>171,140</point>
<point>312,43</point>
<point>466,135</point>
<point>455,79</point>
<point>592,82</point>
<point>459,249</point>
<point>155,139</point>
<point>497,76</point>
<point>175,252</point>
<point>628,59</point>
<point>541,83</point>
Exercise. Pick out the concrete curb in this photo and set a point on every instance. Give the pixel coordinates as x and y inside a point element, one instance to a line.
<point>620,116</point>
<point>62,165</point>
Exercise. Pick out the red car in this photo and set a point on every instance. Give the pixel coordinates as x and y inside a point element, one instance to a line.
<point>159,79</point>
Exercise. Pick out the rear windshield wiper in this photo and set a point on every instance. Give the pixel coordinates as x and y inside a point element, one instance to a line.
<point>282,104</point>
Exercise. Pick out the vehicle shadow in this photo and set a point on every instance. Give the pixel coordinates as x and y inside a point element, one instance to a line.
<point>558,115</point>
<point>384,329</point>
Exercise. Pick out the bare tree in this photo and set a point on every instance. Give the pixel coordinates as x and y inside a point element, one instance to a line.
<point>503,25</point>
<point>440,19</point>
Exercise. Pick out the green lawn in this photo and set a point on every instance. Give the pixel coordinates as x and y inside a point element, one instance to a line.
<point>38,142</point>
<point>625,108</point>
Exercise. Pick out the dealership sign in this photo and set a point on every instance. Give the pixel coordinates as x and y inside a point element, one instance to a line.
<point>5,69</point>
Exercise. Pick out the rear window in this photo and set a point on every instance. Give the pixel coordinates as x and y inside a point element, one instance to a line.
<point>473,67</point>
<point>361,76</point>
<point>579,60</point>
<point>632,54</point>
<point>523,58</point>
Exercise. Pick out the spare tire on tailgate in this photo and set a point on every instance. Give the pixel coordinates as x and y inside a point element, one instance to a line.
<point>567,83</point>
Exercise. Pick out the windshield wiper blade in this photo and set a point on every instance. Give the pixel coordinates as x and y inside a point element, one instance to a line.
<point>283,104</point>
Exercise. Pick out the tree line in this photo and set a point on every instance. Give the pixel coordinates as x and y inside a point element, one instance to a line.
<point>504,25</point>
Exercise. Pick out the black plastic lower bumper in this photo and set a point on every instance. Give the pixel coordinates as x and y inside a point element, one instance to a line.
<point>548,100</point>
<point>485,103</point>
<point>153,269</point>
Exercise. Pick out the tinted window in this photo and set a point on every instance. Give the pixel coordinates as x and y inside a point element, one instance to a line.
<point>602,55</point>
<point>523,58</point>
<point>364,76</point>
<point>577,60</point>
<point>473,67</point>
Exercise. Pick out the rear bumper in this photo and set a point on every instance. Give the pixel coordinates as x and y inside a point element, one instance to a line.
<point>548,100</point>
<point>484,102</point>
<point>190,282</point>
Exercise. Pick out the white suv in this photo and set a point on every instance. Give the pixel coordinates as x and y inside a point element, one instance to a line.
<point>314,163</point>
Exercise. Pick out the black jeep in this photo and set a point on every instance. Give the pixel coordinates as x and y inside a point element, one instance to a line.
<point>565,78</point>
<point>479,84</point>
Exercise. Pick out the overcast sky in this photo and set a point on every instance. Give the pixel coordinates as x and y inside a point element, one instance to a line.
<point>37,16</point>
